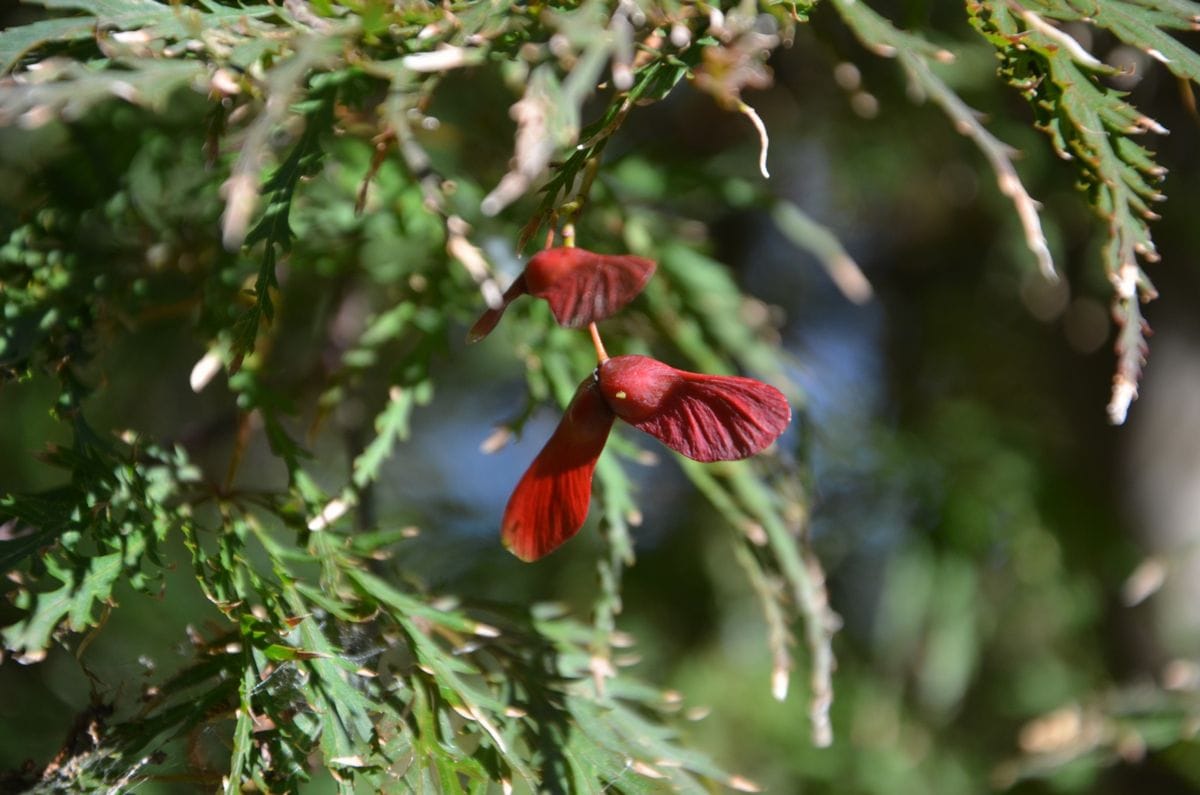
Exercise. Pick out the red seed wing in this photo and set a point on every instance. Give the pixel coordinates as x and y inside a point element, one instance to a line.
<point>488,320</point>
<point>551,500</point>
<point>718,418</point>
<point>583,287</point>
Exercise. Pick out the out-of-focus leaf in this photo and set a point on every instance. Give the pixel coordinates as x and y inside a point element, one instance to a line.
<point>20,39</point>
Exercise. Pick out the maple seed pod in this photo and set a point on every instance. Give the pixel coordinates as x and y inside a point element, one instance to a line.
<point>581,286</point>
<point>550,503</point>
<point>704,417</point>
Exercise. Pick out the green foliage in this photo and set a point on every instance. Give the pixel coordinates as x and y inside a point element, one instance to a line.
<point>1092,125</point>
<point>122,504</point>
<point>234,145</point>
<point>273,228</point>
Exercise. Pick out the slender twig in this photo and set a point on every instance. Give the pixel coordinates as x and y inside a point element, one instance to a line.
<point>769,592</point>
<point>998,154</point>
<point>882,38</point>
<point>601,354</point>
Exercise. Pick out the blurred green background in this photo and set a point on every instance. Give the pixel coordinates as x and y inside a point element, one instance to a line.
<point>978,519</point>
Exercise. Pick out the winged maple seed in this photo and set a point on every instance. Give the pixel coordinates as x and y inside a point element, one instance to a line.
<point>551,500</point>
<point>581,286</point>
<point>705,417</point>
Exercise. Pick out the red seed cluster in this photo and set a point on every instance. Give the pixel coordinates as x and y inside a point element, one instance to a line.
<point>704,417</point>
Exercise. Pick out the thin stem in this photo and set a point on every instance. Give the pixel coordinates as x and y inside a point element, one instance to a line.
<point>568,233</point>
<point>764,140</point>
<point>601,354</point>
